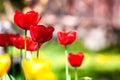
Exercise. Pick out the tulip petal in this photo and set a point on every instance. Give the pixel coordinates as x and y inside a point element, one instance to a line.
<point>40,33</point>
<point>19,19</point>
<point>5,63</point>
<point>24,21</point>
<point>18,42</point>
<point>66,38</point>
<point>37,69</point>
<point>75,59</point>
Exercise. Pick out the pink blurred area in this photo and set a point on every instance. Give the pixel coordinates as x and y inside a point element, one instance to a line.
<point>96,21</point>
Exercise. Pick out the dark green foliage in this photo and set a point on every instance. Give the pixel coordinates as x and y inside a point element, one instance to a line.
<point>19,4</point>
<point>1,7</point>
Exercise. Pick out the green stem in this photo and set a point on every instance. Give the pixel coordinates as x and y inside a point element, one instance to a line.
<point>21,56</point>
<point>25,42</point>
<point>10,77</point>
<point>13,66</point>
<point>38,50</point>
<point>5,50</point>
<point>66,63</point>
<point>31,53</point>
<point>76,75</point>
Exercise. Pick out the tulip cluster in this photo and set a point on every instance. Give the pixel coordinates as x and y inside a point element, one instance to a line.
<point>39,35</point>
<point>37,68</point>
<point>34,68</point>
<point>66,38</point>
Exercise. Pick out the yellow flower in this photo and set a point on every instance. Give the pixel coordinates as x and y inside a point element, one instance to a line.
<point>5,63</point>
<point>37,69</point>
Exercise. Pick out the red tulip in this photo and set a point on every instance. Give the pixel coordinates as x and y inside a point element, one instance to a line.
<point>5,39</point>
<point>18,42</point>
<point>76,59</point>
<point>66,38</point>
<point>40,33</point>
<point>25,20</point>
<point>31,45</point>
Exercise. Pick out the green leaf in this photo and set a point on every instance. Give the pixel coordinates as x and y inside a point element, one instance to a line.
<point>86,78</point>
<point>12,78</point>
<point>8,77</point>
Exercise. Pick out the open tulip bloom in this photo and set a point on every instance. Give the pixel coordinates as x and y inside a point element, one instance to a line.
<point>41,34</point>
<point>65,38</point>
<point>24,21</point>
<point>76,60</point>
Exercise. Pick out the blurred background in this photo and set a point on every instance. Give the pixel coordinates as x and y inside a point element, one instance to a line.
<point>97,23</point>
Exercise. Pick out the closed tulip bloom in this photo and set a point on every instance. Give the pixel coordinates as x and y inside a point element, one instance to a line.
<point>25,20</point>
<point>5,63</point>
<point>18,42</point>
<point>5,39</point>
<point>37,69</point>
<point>66,38</point>
<point>75,60</point>
<point>41,34</point>
<point>31,45</point>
